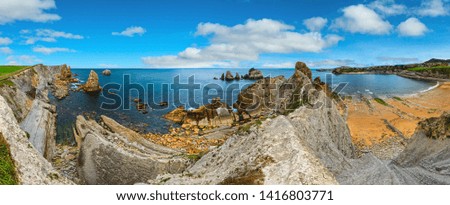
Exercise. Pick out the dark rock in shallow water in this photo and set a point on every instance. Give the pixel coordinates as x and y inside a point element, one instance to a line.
<point>229,76</point>
<point>254,74</point>
<point>215,78</point>
<point>237,77</point>
<point>106,72</point>
<point>163,104</point>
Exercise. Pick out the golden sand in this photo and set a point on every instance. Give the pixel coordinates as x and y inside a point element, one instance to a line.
<point>366,119</point>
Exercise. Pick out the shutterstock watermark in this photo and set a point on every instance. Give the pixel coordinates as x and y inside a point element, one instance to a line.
<point>267,94</point>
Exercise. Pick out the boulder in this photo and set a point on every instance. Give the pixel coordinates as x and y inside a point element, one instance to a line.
<point>92,84</point>
<point>106,72</point>
<point>222,77</point>
<point>117,155</point>
<point>229,76</point>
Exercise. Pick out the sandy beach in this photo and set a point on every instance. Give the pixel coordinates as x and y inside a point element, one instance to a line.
<point>371,122</point>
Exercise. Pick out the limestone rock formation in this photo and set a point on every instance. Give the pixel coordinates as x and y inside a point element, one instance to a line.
<point>222,77</point>
<point>304,69</point>
<point>254,74</point>
<point>237,77</point>
<point>114,154</point>
<point>106,72</point>
<point>28,99</point>
<point>61,82</point>
<point>92,84</point>
<point>177,115</point>
<point>229,76</point>
<point>30,166</point>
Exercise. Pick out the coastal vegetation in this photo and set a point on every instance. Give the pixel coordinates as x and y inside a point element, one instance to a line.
<point>7,170</point>
<point>438,69</point>
<point>7,71</point>
<point>381,101</point>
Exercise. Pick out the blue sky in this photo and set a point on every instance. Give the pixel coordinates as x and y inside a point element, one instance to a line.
<point>226,33</point>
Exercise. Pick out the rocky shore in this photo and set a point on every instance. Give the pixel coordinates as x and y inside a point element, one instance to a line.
<point>280,131</point>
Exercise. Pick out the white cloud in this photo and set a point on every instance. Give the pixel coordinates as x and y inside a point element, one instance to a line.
<point>23,60</point>
<point>331,63</point>
<point>398,59</point>
<point>412,27</point>
<point>279,65</point>
<point>5,50</point>
<point>315,23</point>
<point>105,65</point>
<point>243,42</point>
<point>27,10</point>
<point>361,19</point>
<point>131,31</point>
<point>47,51</point>
<point>388,7</point>
<point>48,35</point>
<point>5,41</point>
<point>433,8</point>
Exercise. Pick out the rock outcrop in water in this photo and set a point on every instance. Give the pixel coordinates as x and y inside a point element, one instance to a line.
<point>92,84</point>
<point>113,154</point>
<point>61,82</point>
<point>253,74</point>
<point>31,167</point>
<point>106,72</point>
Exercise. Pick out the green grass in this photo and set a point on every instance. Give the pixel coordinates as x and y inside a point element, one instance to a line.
<point>5,69</point>
<point>6,82</point>
<point>439,69</point>
<point>398,98</point>
<point>381,101</point>
<point>7,171</point>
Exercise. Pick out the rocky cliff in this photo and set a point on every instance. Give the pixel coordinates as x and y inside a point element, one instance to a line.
<point>28,98</point>
<point>31,167</point>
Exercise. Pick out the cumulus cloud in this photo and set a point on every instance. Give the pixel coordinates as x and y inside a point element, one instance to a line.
<point>361,19</point>
<point>243,42</point>
<point>5,50</point>
<point>48,51</point>
<point>433,8</point>
<point>22,60</point>
<point>48,35</point>
<point>27,10</point>
<point>388,7</point>
<point>397,59</point>
<point>5,41</point>
<point>279,65</point>
<point>315,23</point>
<point>412,27</point>
<point>331,63</point>
<point>131,31</point>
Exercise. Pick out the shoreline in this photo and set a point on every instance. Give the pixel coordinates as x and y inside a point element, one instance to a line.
<point>372,123</point>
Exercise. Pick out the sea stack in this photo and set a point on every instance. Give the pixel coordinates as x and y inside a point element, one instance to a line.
<point>106,72</point>
<point>92,84</point>
<point>254,74</point>
<point>229,76</point>
<point>238,77</point>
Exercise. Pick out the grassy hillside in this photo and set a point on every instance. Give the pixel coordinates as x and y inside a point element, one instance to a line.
<point>7,170</point>
<point>5,69</point>
<point>438,69</point>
